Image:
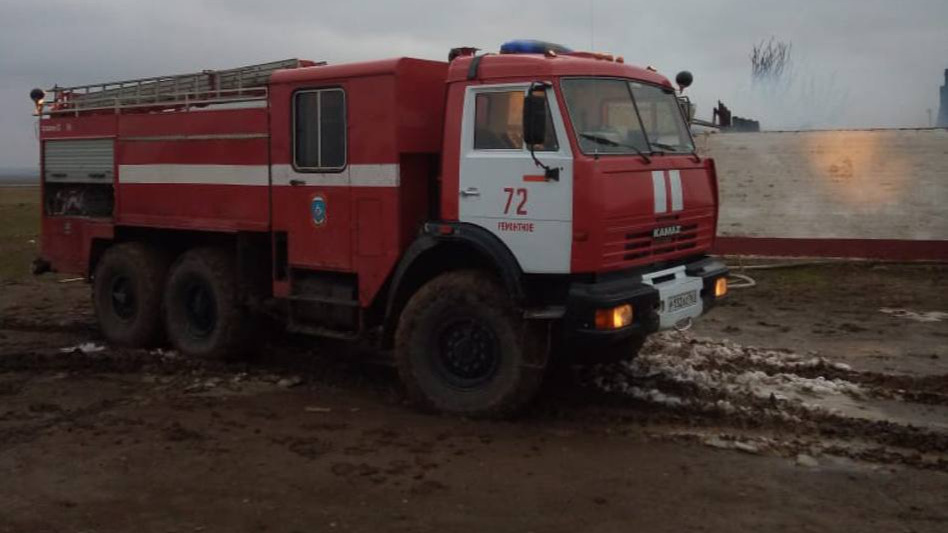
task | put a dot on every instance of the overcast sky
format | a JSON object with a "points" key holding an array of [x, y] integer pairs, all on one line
{"points": [[856, 63]]}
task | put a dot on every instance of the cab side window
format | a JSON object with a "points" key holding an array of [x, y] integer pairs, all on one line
{"points": [[319, 129], [498, 122]]}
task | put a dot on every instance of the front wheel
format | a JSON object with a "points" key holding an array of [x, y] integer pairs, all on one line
{"points": [[461, 348]]}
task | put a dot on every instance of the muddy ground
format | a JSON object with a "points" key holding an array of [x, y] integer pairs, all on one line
{"points": [[797, 406]]}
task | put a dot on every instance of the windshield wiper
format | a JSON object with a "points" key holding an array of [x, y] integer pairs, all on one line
{"points": [[609, 142], [664, 146], [671, 148]]}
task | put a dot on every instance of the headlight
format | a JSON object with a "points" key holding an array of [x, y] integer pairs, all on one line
{"points": [[720, 287], [614, 318]]}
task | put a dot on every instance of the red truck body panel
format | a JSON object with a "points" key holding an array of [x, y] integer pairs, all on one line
{"points": [[394, 126], [190, 170]]}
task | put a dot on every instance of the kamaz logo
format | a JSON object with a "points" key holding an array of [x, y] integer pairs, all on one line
{"points": [[667, 231]]}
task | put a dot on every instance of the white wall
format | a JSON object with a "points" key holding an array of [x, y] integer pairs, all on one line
{"points": [[856, 184]]}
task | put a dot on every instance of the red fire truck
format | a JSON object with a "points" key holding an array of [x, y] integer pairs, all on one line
{"points": [[477, 218]]}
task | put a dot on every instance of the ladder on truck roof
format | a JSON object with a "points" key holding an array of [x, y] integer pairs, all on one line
{"points": [[180, 91]]}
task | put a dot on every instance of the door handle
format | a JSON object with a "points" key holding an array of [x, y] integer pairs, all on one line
{"points": [[470, 191], [297, 183]]}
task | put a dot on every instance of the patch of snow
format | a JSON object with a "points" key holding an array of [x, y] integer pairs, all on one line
{"points": [[723, 376], [718, 442], [930, 316], [85, 347], [747, 445], [289, 382], [807, 460]]}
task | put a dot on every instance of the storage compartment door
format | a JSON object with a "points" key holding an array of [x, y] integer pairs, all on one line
{"points": [[79, 161]]}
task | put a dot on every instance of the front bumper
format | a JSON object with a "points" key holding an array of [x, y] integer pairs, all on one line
{"points": [[649, 293]]}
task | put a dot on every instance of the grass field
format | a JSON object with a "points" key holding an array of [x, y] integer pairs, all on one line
{"points": [[19, 230]]}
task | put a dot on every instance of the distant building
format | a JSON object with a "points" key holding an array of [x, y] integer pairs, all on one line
{"points": [[943, 107], [722, 118]]}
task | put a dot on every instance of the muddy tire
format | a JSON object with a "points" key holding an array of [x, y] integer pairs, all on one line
{"points": [[127, 294], [461, 348], [203, 313]]}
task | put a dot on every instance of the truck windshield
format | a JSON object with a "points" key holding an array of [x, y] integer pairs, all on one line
{"points": [[614, 116]]}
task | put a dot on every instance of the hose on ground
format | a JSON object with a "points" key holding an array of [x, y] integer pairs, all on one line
{"points": [[743, 281], [786, 265]]}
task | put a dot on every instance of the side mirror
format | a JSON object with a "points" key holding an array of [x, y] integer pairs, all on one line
{"points": [[534, 118]]}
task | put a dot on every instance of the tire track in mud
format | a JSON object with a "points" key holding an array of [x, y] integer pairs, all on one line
{"points": [[25, 326], [25, 433], [776, 401], [109, 361], [784, 430], [680, 388], [930, 390]]}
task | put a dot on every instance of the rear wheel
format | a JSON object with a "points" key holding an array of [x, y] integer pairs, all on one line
{"points": [[461, 348], [126, 293], [203, 314]]}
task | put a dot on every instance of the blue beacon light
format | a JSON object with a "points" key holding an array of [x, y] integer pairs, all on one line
{"points": [[530, 46]]}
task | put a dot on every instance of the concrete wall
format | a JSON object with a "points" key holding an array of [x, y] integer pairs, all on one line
{"points": [[889, 187]]}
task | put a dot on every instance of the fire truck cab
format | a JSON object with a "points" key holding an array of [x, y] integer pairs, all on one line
{"points": [[478, 218]]}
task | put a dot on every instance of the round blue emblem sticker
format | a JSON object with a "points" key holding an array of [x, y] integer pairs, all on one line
{"points": [[318, 210]]}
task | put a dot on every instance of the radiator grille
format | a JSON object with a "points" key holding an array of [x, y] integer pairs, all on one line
{"points": [[629, 242]]}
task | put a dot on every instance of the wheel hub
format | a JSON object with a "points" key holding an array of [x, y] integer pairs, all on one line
{"points": [[468, 353], [200, 308], [122, 292]]}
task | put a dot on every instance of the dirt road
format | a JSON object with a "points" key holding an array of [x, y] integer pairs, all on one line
{"points": [[799, 407]]}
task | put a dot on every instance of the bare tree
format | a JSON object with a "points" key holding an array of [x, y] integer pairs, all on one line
{"points": [[770, 61], [787, 94]]}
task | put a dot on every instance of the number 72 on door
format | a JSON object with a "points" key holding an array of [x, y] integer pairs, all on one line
{"points": [[517, 198]]}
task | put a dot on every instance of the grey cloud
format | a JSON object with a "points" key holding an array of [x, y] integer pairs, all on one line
{"points": [[885, 57]]}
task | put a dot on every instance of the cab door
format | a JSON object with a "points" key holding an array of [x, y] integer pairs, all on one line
{"points": [[501, 187]]}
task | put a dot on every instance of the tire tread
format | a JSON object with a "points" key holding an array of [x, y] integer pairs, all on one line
{"points": [[236, 338], [152, 264], [481, 289]]}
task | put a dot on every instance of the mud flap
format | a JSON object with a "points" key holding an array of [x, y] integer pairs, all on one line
{"points": [[536, 338]]}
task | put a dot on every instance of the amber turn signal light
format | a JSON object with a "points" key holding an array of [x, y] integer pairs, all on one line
{"points": [[720, 287], [614, 318]]}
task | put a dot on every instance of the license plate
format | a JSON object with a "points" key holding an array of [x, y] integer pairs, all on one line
{"points": [[681, 301]]}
